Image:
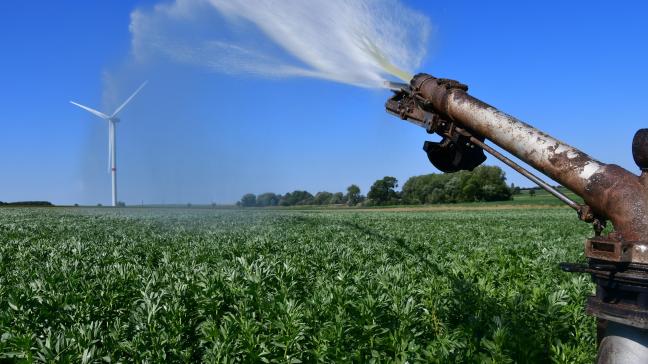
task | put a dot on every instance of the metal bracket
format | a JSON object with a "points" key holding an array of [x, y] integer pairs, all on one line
{"points": [[619, 269]]}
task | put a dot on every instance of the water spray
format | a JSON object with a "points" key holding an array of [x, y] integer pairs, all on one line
{"points": [[360, 42]]}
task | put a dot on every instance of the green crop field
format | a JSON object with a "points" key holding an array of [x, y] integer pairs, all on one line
{"points": [[188, 285]]}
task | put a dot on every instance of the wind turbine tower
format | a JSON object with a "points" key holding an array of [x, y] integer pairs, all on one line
{"points": [[112, 143]]}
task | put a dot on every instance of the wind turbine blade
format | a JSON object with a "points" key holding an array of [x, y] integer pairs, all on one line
{"points": [[128, 99], [93, 111]]}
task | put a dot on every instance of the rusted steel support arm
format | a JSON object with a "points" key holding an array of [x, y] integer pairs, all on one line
{"points": [[611, 191]]}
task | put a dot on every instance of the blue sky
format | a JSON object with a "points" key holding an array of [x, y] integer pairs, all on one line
{"points": [[577, 70]]}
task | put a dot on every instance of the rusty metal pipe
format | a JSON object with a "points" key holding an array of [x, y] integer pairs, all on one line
{"points": [[611, 191], [617, 262]]}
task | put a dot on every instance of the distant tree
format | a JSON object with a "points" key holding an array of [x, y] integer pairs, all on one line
{"points": [[99, 205], [429, 188], [267, 199], [303, 197], [322, 198], [336, 198], [188, 204], [213, 205], [286, 200], [484, 183], [248, 200], [532, 192], [491, 182], [296, 198], [121, 204], [353, 196], [383, 191], [75, 205]]}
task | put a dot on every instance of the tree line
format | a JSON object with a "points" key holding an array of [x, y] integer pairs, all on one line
{"points": [[352, 197], [26, 203], [484, 183]]}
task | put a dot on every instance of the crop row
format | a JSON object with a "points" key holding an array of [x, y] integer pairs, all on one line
{"points": [[138, 285]]}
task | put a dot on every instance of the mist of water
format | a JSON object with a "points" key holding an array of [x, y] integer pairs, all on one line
{"points": [[185, 139], [359, 42]]}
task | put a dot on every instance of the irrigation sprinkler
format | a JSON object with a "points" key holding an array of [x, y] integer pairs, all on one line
{"points": [[617, 261]]}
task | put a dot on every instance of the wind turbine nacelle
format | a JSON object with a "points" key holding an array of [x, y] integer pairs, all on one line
{"points": [[115, 120]]}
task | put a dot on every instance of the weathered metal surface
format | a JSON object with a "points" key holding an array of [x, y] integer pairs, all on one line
{"points": [[619, 312], [640, 148], [611, 192], [454, 154], [617, 262], [407, 109], [554, 158], [621, 285], [623, 344], [606, 248]]}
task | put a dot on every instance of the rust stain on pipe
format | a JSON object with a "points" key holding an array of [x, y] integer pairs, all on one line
{"points": [[617, 262], [611, 191]]}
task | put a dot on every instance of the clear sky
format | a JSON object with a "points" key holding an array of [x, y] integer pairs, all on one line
{"points": [[577, 70]]}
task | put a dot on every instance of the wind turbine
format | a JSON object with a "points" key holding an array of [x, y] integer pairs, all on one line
{"points": [[112, 146]]}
